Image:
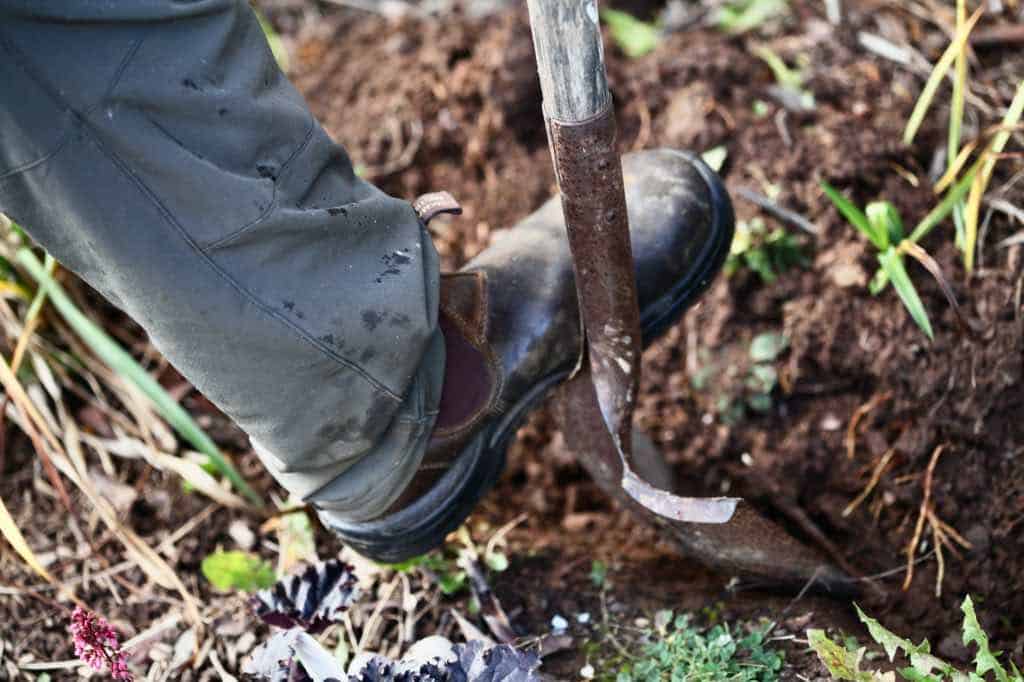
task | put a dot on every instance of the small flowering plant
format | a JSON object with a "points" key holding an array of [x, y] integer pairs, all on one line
{"points": [[96, 643]]}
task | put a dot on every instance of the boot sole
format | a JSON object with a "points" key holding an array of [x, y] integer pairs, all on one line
{"points": [[425, 524]]}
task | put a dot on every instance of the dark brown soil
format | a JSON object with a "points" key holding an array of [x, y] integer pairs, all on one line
{"points": [[470, 87], [454, 104]]}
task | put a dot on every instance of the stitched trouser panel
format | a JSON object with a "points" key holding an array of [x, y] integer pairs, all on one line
{"points": [[154, 148]]}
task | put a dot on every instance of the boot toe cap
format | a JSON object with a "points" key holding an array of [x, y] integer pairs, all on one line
{"points": [[681, 222]]}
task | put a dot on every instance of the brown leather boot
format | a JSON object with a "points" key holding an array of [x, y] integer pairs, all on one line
{"points": [[512, 333]]}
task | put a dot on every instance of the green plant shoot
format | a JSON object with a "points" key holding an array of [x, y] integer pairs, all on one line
{"points": [[882, 225]]}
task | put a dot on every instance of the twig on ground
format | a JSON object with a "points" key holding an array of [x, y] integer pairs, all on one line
{"points": [[776, 211], [373, 624], [490, 608]]}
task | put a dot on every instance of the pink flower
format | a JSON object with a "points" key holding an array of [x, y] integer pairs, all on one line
{"points": [[97, 645]]}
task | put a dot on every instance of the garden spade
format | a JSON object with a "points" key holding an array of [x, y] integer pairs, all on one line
{"points": [[598, 403]]}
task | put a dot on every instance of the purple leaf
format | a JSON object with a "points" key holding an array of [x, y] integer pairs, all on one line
{"points": [[311, 600]]}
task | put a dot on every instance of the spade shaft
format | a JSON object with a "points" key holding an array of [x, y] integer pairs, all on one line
{"points": [[582, 135], [598, 402]]}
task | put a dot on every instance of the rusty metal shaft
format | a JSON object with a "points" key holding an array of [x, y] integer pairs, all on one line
{"points": [[599, 401]]}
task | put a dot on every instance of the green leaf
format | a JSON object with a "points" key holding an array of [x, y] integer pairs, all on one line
{"points": [[912, 675], [893, 266], [740, 16], [856, 217], [598, 572], [497, 561], [124, 364], [889, 641], [766, 347], [842, 663], [762, 379], [715, 157], [884, 217], [786, 77], [237, 570], [451, 582], [879, 281], [985, 660], [923, 664], [761, 263], [944, 207], [634, 37]]}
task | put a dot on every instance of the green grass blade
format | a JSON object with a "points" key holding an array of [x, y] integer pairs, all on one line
{"points": [[856, 217], [893, 266], [956, 120], [40, 298], [956, 107], [124, 364], [274, 41], [884, 218], [31, 319], [932, 84], [879, 281], [944, 207]]}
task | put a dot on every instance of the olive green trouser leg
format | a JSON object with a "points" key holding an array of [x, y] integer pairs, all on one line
{"points": [[153, 147]]}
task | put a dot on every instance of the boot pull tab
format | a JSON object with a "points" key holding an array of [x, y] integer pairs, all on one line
{"points": [[429, 206]]}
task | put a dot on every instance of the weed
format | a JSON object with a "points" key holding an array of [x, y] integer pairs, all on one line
{"points": [[681, 651], [744, 386], [598, 573], [450, 578], [634, 37], [881, 223], [789, 81], [768, 252], [443, 564], [844, 660], [762, 376], [741, 16]]}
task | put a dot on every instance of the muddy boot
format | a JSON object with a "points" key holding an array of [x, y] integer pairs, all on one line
{"points": [[512, 333]]}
